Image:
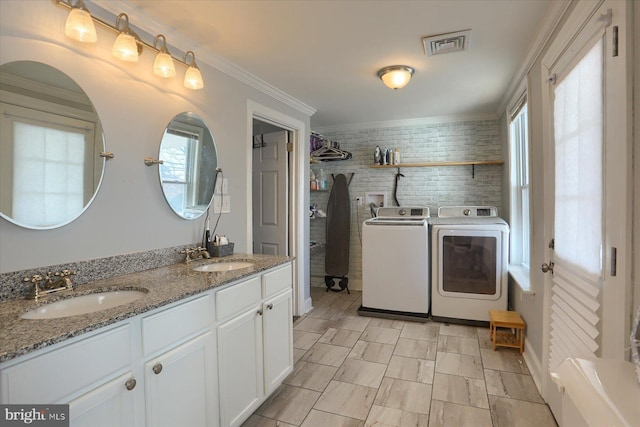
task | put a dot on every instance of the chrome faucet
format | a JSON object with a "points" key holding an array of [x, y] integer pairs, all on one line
{"points": [[50, 283]]}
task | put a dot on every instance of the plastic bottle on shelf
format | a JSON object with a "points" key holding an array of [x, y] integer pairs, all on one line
{"points": [[313, 182], [323, 180], [396, 157]]}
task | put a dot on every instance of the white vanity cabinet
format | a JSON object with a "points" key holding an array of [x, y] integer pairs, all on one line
{"points": [[94, 374], [179, 386], [110, 404], [255, 342], [277, 328], [208, 360], [157, 369], [180, 378]]}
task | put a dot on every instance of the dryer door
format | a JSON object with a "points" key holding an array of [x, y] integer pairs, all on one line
{"points": [[469, 263]]}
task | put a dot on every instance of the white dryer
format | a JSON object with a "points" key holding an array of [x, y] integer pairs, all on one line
{"points": [[469, 263], [395, 264]]}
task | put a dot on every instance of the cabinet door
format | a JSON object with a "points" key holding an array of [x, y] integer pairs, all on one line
{"points": [[278, 340], [111, 404], [180, 385], [240, 366]]}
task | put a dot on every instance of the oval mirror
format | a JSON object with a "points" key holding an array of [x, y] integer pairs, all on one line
{"points": [[50, 144], [189, 162]]}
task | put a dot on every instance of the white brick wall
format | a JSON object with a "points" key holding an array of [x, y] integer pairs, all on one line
{"points": [[421, 186]]}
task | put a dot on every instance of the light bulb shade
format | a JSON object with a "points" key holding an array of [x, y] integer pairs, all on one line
{"points": [[396, 76], [193, 78], [125, 48], [79, 26], [163, 65]]}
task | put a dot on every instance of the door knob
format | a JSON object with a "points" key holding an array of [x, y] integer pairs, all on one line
{"points": [[157, 368], [547, 267], [130, 384]]}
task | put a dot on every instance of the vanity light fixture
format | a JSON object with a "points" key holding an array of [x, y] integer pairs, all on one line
{"points": [[192, 78], [128, 45], [79, 25], [396, 76], [125, 46], [163, 65]]}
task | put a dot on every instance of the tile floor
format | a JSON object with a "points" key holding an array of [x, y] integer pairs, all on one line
{"points": [[355, 371]]}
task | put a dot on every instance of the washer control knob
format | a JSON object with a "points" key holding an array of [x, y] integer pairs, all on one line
{"points": [[466, 212], [402, 212]]}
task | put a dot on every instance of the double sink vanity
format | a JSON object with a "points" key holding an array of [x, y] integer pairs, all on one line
{"points": [[198, 344]]}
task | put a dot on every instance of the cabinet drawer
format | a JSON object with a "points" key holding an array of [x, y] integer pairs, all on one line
{"points": [[66, 370], [276, 281], [237, 297], [169, 326]]}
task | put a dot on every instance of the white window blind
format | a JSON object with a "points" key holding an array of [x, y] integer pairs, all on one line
{"points": [[48, 178], [578, 132]]}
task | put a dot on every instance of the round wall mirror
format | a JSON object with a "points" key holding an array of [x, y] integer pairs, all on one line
{"points": [[189, 162], [50, 144]]}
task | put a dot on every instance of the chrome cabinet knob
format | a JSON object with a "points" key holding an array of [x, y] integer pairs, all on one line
{"points": [[130, 384], [157, 368], [260, 312], [270, 306]]}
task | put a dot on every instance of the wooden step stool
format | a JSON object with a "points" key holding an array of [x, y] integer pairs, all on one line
{"points": [[506, 321]]}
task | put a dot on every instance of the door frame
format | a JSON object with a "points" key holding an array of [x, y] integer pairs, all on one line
{"points": [[296, 208], [616, 302]]}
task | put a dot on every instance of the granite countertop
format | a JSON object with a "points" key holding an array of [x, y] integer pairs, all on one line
{"points": [[165, 285]]}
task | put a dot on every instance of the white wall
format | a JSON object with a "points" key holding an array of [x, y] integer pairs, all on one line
{"points": [[129, 213], [636, 158]]}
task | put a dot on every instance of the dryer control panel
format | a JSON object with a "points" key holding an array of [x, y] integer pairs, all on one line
{"points": [[467, 211]]}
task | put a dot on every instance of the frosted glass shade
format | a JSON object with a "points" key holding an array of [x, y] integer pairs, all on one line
{"points": [[163, 65], [125, 48], [396, 77], [79, 26], [193, 78]]}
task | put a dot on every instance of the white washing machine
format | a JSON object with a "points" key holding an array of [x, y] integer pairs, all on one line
{"points": [[469, 263], [395, 264]]}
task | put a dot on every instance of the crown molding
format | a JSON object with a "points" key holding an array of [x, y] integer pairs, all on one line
{"points": [[551, 20], [420, 121], [151, 26]]}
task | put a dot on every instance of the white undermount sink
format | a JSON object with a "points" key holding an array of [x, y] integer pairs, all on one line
{"points": [[223, 266], [84, 304]]}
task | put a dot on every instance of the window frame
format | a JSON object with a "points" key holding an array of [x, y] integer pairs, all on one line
{"points": [[520, 186]]}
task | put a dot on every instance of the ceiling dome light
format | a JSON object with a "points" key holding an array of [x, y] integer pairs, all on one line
{"points": [[396, 76], [163, 65], [125, 46], [79, 25], [192, 78]]}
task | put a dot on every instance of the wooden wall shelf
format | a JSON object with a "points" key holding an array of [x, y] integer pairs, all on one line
{"points": [[422, 165]]}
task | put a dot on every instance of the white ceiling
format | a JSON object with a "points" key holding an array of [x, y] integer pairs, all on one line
{"points": [[327, 53]]}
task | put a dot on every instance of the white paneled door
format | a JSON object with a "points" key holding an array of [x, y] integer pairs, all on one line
{"points": [[270, 197], [585, 226]]}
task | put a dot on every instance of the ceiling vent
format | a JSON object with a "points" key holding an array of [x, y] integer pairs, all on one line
{"points": [[446, 43]]}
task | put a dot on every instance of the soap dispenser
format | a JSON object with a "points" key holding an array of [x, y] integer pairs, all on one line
{"points": [[323, 180]]}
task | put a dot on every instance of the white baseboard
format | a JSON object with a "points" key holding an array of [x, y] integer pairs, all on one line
{"points": [[534, 365], [308, 305]]}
